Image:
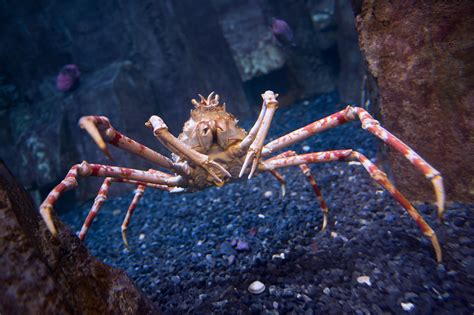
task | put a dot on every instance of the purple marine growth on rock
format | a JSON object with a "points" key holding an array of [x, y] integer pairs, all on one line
{"points": [[282, 32], [68, 78]]}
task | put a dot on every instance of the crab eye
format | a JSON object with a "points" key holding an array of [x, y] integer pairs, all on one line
{"points": [[205, 130]]}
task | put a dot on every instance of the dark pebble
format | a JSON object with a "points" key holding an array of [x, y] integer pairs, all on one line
{"points": [[176, 279]]}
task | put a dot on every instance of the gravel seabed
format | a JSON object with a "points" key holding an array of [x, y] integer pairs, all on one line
{"points": [[182, 251]]}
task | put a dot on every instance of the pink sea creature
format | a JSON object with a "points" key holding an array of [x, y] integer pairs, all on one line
{"points": [[68, 78], [282, 32]]}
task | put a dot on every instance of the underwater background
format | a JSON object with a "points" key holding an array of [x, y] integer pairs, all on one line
{"points": [[409, 64]]}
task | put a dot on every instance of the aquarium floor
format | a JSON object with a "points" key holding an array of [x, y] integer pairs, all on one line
{"points": [[181, 251]]}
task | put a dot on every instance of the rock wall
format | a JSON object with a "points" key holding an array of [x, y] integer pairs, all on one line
{"points": [[420, 56], [41, 275]]}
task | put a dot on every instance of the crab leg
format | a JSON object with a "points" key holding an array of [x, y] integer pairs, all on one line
{"points": [[101, 131], [138, 193], [379, 176], [307, 172], [370, 124], [102, 196], [98, 202], [85, 169], [324, 208], [255, 149], [160, 130], [281, 180], [245, 144]]}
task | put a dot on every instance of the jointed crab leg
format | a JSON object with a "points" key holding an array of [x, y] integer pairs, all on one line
{"points": [[245, 144], [102, 196], [100, 129], [98, 202], [160, 130], [324, 208], [253, 154], [138, 193], [307, 172], [373, 126], [281, 180], [84, 169], [379, 176]]}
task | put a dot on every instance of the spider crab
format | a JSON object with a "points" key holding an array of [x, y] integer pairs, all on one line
{"points": [[213, 150]]}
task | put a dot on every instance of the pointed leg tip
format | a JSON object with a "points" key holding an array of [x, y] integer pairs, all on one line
{"points": [[325, 223], [124, 238], [107, 153], [437, 248], [242, 170], [440, 195], [283, 191], [46, 214]]}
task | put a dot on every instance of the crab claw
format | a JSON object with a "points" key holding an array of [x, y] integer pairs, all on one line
{"points": [[213, 169], [89, 125], [46, 214], [255, 150], [248, 157], [254, 156]]}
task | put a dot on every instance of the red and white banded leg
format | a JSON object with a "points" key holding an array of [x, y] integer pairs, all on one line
{"points": [[102, 196], [370, 124], [307, 172], [379, 176], [85, 169], [98, 202], [138, 193], [281, 180], [100, 129]]}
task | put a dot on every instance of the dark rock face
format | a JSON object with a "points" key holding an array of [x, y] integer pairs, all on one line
{"points": [[136, 60], [313, 60], [351, 69], [421, 59], [54, 276]]}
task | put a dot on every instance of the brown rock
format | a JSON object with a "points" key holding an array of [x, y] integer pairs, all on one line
{"points": [[41, 275], [420, 55]]}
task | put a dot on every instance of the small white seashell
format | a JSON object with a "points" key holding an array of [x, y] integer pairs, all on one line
{"points": [[333, 234], [364, 280], [141, 237], [306, 148], [268, 194], [256, 287], [407, 306], [278, 256], [261, 216]]}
